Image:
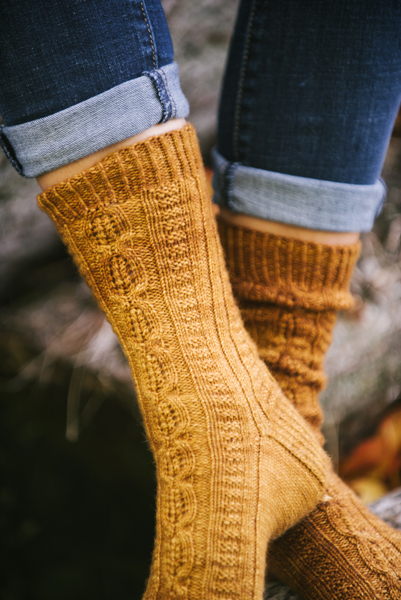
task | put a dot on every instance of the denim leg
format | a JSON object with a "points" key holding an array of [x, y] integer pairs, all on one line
{"points": [[311, 92], [79, 76]]}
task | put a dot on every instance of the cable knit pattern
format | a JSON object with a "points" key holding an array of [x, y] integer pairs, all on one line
{"points": [[289, 292], [229, 448], [340, 551]]}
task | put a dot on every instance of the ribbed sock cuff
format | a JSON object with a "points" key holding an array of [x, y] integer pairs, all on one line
{"points": [[270, 268], [153, 163]]}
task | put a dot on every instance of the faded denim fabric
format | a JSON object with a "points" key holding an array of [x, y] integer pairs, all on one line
{"points": [[45, 144], [57, 53], [311, 203], [78, 76], [312, 89]]}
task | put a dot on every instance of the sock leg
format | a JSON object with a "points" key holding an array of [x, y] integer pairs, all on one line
{"points": [[289, 292], [236, 465]]}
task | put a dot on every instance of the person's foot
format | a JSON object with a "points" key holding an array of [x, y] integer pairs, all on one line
{"points": [[236, 464], [289, 292], [340, 551]]}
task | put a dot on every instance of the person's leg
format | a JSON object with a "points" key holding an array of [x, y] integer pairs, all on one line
{"points": [[139, 224], [310, 96], [80, 76], [307, 108]]}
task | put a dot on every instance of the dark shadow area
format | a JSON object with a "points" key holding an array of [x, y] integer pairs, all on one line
{"points": [[77, 519]]}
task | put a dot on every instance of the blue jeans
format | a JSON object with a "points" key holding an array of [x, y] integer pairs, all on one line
{"points": [[309, 100], [77, 76], [310, 95]]}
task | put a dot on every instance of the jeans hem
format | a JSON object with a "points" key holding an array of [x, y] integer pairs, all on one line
{"points": [[311, 203], [45, 144]]}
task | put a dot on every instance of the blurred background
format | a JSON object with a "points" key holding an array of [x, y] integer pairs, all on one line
{"points": [[77, 485]]}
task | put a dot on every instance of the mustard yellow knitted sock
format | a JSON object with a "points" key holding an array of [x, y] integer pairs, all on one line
{"points": [[236, 464], [289, 292]]}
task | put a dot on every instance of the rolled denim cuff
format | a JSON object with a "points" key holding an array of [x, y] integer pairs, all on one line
{"points": [[45, 144], [311, 203]]}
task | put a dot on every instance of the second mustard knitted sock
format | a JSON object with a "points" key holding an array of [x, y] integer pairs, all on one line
{"points": [[289, 292], [236, 464]]}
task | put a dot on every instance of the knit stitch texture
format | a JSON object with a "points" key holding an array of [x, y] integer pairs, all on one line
{"points": [[289, 292], [236, 465]]}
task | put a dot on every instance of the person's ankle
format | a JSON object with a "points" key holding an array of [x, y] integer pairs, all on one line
{"points": [[47, 180], [333, 238]]}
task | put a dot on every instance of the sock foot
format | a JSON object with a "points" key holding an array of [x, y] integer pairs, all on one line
{"points": [[289, 292], [339, 551]]}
